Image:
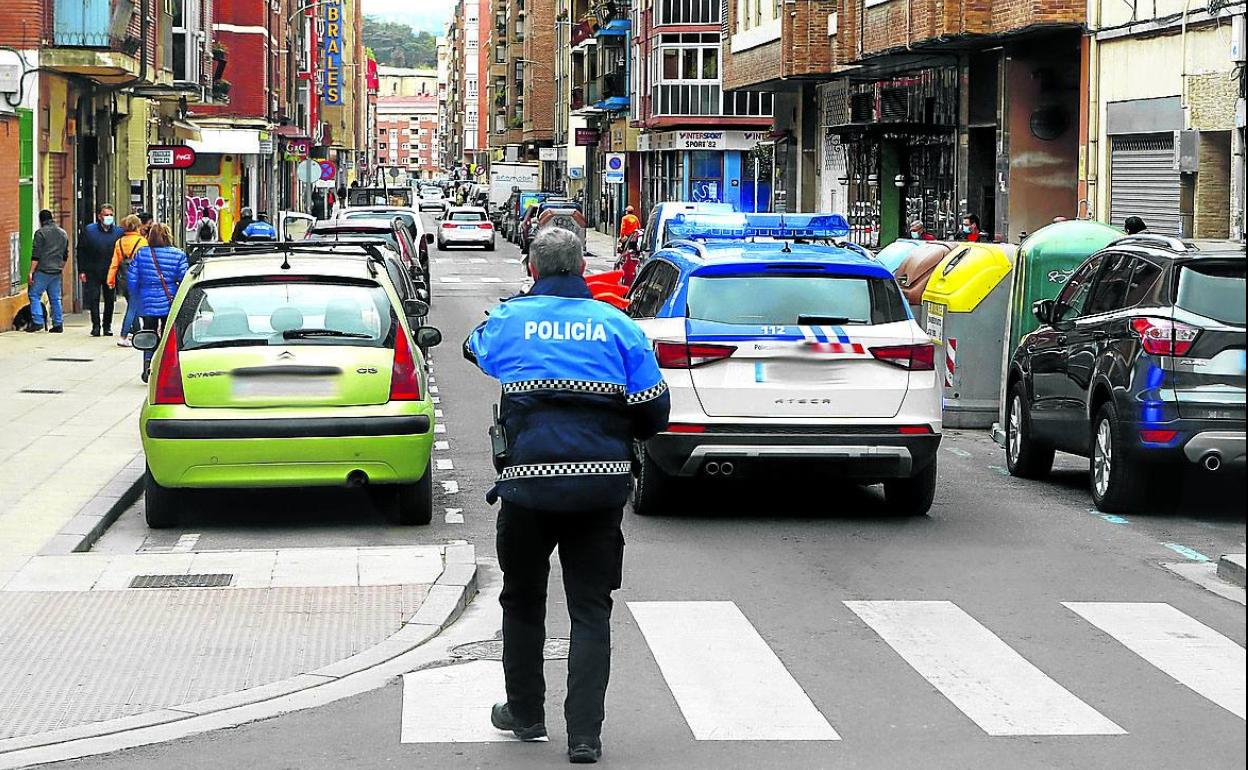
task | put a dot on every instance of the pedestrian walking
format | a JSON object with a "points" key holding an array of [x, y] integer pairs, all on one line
{"points": [[207, 230], [154, 278], [124, 252], [48, 253], [261, 229], [629, 224], [1134, 225], [95, 255], [245, 219], [580, 384], [145, 222]]}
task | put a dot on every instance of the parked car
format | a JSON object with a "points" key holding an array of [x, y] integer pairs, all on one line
{"points": [[285, 366], [1138, 365], [410, 217], [784, 358], [393, 231], [466, 226]]}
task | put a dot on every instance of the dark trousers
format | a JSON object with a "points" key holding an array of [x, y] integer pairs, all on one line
{"points": [[91, 292], [591, 553], [151, 323]]}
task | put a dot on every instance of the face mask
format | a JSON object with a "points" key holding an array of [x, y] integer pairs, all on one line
{"points": [[914, 234], [108, 220]]}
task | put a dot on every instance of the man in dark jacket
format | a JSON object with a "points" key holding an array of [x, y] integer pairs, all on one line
{"points": [[47, 260], [95, 256], [580, 384]]}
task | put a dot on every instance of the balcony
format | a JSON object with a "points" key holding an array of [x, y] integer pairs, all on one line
{"points": [[92, 39], [688, 100]]}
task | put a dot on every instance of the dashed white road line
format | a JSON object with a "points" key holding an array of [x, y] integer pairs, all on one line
{"points": [[450, 487], [441, 446], [444, 465], [454, 515], [186, 543], [439, 428]]}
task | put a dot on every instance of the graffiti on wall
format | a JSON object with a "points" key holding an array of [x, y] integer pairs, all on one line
{"points": [[198, 205]]}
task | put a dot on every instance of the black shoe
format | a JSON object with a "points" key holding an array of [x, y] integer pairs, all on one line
{"points": [[108, 332], [58, 329], [583, 750], [34, 327], [95, 331], [147, 374], [501, 718]]}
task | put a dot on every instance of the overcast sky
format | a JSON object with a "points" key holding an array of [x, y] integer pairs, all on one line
{"points": [[428, 15]]}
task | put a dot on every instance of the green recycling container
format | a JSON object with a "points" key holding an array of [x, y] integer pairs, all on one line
{"points": [[1045, 261]]}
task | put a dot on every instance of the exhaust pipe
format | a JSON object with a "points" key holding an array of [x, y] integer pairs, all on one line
{"points": [[357, 478], [1212, 461], [712, 469], [727, 468]]}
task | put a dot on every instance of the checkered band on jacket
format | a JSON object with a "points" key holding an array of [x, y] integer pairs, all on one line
{"points": [[607, 468], [572, 386], [649, 394]]}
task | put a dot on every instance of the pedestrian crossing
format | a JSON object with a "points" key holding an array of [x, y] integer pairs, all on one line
{"points": [[728, 684]]}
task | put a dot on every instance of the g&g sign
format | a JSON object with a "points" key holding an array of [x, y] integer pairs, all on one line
{"points": [[331, 49]]}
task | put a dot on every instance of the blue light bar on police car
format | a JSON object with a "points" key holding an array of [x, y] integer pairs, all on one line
{"points": [[741, 226]]}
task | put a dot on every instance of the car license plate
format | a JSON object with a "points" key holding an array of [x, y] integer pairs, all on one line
{"points": [[469, 227], [277, 386]]}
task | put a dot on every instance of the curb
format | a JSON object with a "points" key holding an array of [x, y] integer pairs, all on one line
{"points": [[1231, 568], [449, 596], [98, 514]]}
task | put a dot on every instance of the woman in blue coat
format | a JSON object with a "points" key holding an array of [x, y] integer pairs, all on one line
{"points": [[154, 277]]}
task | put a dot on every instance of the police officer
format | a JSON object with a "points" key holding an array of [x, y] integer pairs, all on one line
{"points": [[579, 384], [260, 229]]}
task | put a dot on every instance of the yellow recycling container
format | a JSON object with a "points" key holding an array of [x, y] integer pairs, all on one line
{"points": [[964, 311]]}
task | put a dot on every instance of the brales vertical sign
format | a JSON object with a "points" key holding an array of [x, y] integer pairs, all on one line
{"points": [[331, 48]]}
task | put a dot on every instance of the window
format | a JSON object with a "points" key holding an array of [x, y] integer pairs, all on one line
{"points": [[651, 289], [1111, 290], [1074, 296], [1143, 279], [688, 11], [1213, 289], [794, 299], [690, 63], [219, 315]]}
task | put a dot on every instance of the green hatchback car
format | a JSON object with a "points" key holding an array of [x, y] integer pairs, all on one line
{"points": [[289, 365]]}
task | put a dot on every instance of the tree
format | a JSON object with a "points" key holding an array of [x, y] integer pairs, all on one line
{"points": [[398, 45]]}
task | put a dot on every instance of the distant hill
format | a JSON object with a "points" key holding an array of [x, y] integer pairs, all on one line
{"points": [[398, 45]]}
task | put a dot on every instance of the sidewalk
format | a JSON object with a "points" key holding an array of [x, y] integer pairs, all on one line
{"points": [[599, 244], [69, 420]]}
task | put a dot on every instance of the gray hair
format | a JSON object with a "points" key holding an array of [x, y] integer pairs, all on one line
{"points": [[556, 251]]}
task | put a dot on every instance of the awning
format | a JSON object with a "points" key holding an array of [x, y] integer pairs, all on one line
{"points": [[227, 141], [291, 132], [186, 130]]}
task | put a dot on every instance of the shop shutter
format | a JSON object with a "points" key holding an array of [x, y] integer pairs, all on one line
{"points": [[1144, 183]]}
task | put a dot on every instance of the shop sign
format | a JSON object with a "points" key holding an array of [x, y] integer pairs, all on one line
{"points": [[613, 168], [548, 154], [170, 156], [266, 143], [297, 149], [587, 137], [331, 52], [702, 140]]}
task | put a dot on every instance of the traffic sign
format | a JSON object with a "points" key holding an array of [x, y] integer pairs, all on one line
{"points": [[328, 171], [170, 156], [614, 172], [309, 171]]}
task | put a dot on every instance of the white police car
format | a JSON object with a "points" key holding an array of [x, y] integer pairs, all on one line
{"points": [[785, 355]]}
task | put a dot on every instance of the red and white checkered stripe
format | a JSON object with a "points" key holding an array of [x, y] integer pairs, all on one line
{"points": [[951, 361]]}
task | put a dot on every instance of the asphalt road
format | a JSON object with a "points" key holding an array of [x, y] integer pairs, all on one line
{"points": [[981, 675]]}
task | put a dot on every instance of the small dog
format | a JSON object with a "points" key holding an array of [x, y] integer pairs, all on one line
{"points": [[23, 318]]}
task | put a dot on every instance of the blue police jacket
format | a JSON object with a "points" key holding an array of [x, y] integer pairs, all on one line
{"points": [[580, 383], [260, 230]]}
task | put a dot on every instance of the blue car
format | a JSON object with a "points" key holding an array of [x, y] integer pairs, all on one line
{"points": [[785, 354]]}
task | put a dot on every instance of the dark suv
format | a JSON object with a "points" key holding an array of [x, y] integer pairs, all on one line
{"points": [[1139, 362]]}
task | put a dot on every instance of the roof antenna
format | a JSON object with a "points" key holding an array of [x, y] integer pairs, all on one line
{"points": [[788, 247], [285, 259]]}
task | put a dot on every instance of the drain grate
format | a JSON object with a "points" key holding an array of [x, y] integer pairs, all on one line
{"points": [[42, 391], [181, 581], [492, 649], [67, 359]]}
